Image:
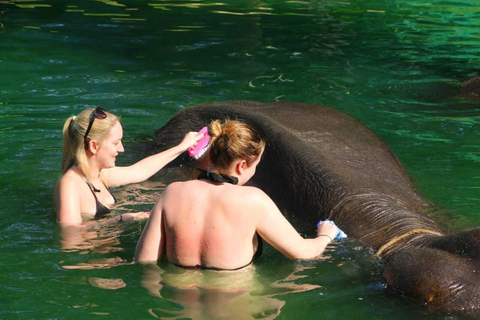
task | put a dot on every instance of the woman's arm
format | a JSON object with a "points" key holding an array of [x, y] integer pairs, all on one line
{"points": [[124, 217], [150, 246], [277, 231], [144, 169], [67, 203]]}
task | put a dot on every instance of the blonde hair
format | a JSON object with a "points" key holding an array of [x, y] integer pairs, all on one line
{"points": [[74, 148], [232, 140]]}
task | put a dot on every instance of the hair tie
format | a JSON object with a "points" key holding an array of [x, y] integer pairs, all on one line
{"points": [[70, 125]]}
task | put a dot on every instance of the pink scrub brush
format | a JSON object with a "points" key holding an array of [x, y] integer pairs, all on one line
{"points": [[202, 145]]}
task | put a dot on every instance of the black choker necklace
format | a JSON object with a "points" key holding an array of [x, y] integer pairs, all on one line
{"points": [[215, 177]]}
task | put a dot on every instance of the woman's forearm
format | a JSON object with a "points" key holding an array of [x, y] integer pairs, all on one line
{"points": [[142, 170], [145, 168], [313, 248]]}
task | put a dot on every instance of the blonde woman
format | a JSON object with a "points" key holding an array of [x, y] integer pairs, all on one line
{"points": [[91, 142], [216, 222]]}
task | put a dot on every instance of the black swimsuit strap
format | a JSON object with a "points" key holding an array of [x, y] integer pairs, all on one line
{"points": [[215, 177], [94, 190], [92, 187], [102, 210]]}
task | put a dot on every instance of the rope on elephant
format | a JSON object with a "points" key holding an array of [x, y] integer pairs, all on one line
{"points": [[403, 236]]}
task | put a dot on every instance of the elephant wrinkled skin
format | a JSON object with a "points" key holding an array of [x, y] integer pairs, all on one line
{"points": [[321, 163], [471, 88]]}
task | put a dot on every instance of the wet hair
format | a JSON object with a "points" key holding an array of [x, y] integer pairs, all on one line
{"points": [[74, 148], [232, 140]]}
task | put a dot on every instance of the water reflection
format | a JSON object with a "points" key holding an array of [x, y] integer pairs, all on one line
{"points": [[87, 242], [102, 263], [138, 196], [207, 294], [109, 284], [105, 240]]}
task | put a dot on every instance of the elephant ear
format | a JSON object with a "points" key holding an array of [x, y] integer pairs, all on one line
{"points": [[442, 280]]}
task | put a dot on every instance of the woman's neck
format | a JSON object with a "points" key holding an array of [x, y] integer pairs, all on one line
{"points": [[216, 177], [94, 169], [230, 173]]}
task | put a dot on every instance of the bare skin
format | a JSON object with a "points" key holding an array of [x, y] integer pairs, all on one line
{"points": [[73, 199], [200, 223]]}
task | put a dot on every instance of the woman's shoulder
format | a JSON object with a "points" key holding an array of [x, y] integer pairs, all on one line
{"points": [[70, 180], [251, 191], [69, 187], [247, 194], [179, 187]]}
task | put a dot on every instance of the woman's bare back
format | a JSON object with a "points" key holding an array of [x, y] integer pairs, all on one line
{"points": [[209, 225]]}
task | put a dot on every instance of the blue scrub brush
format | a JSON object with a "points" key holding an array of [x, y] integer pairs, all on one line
{"points": [[340, 234]]}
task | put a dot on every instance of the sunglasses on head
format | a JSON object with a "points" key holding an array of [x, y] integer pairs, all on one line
{"points": [[98, 113]]}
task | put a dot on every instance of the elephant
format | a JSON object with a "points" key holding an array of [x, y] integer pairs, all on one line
{"points": [[322, 163], [471, 88]]}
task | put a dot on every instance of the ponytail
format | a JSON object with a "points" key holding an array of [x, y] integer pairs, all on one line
{"points": [[68, 157]]}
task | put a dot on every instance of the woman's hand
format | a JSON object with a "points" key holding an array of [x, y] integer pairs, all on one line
{"points": [[128, 217], [190, 140], [325, 228]]}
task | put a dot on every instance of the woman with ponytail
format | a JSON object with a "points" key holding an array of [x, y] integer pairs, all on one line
{"points": [[216, 222], [91, 142]]}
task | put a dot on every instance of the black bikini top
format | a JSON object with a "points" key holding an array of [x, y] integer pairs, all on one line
{"points": [[102, 210]]}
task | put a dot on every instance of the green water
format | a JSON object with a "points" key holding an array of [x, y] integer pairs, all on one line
{"points": [[395, 65]]}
